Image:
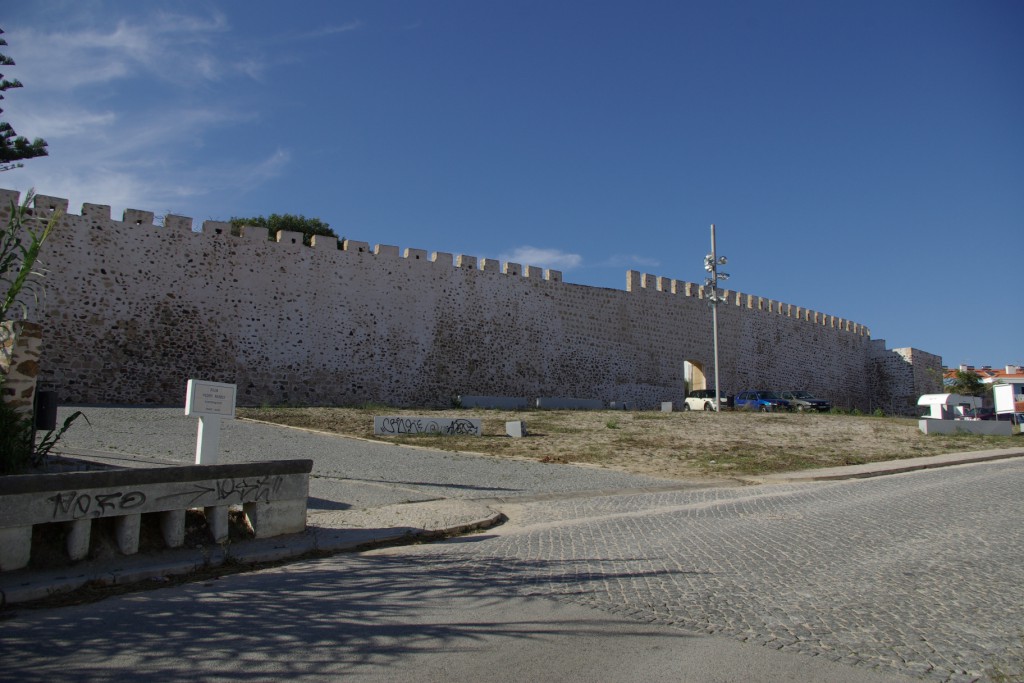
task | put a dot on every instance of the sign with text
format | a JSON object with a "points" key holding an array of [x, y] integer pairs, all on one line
{"points": [[208, 399], [396, 425]]}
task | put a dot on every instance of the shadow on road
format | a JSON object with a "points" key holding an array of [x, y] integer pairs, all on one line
{"points": [[325, 618]]}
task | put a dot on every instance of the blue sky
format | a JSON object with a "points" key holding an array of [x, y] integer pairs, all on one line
{"points": [[864, 159]]}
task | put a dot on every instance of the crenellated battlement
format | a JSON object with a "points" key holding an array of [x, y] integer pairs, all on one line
{"points": [[44, 206], [636, 281], [645, 282]]}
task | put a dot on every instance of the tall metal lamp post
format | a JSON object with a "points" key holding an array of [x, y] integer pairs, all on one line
{"points": [[711, 263]]}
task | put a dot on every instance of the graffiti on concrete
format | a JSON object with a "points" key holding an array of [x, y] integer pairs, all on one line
{"points": [[81, 505], [402, 425]]}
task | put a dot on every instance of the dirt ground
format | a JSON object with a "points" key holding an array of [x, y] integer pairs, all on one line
{"points": [[673, 445]]}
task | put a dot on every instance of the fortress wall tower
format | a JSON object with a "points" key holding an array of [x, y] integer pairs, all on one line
{"points": [[134, 309]]}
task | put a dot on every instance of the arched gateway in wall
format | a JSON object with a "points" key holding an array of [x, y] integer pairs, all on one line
{"points": [[693, 371]]}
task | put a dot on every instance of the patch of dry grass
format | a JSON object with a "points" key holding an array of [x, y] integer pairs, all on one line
{"points": [[675, 445]]}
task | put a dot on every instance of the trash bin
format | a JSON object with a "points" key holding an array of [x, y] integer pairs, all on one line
{"points": [[46, 410]]}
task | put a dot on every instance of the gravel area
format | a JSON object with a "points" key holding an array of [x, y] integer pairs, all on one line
{"points": [[347, 472], [676, 445]]}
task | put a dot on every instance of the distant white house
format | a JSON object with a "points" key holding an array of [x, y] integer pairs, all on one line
{"points": [[1011, 374], [1008, 387]]}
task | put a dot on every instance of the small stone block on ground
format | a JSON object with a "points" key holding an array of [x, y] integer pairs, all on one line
{"points": [[666, 406], [516, 429]]}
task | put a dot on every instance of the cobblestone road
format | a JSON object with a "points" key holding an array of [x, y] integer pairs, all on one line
{"points": [[921, 574]]}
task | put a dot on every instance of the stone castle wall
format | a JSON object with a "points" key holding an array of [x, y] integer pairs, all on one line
{"points": [[133, 310], [900, 376]]}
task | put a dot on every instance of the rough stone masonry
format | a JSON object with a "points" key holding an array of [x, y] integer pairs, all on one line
{"points": [[132, 310]]}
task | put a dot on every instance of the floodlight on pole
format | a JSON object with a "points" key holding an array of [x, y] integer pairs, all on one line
{"points": [[711, 263]]}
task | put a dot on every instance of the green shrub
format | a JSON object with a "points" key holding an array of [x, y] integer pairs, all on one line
{"points": [[15, 440], [20, 242]]}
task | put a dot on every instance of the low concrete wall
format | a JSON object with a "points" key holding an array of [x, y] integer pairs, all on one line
{"points": [[556, 403], [494, 402], [272, 494], [989, 427]]}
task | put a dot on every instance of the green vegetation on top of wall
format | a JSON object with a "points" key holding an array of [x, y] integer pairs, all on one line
{"points": [[287, 222]]}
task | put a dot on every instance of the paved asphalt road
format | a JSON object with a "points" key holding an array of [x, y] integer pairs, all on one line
{"points": [[917, 575]]}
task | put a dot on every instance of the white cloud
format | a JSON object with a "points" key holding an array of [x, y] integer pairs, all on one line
{"points": [[123, 107], [64, 123], [107, 185], [145, 185], [260, 172], [547, 258], [630, 261], [129, 104], [172, 48], [333, 30]]}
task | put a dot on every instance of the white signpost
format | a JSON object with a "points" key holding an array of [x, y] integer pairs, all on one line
{"points": [[209, 401]]}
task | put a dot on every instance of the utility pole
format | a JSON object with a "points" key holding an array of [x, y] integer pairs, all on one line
{"points": [[711, 263]]}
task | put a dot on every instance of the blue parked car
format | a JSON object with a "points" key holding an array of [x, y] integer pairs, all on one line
{"points": [[761, 401]]}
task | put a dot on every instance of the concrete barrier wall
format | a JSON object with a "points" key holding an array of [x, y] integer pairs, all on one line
{"points": [[494, 402], [558, 403], [272, 494], [989, 427]]}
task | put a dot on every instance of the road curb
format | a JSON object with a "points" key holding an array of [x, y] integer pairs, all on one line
{"points": [[880, 469], [28, 586]]}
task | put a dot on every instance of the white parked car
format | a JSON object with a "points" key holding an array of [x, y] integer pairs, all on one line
{"points": [[702, 399]]}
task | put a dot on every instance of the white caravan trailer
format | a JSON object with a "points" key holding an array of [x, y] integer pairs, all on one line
{"points": [[948, 406]]}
